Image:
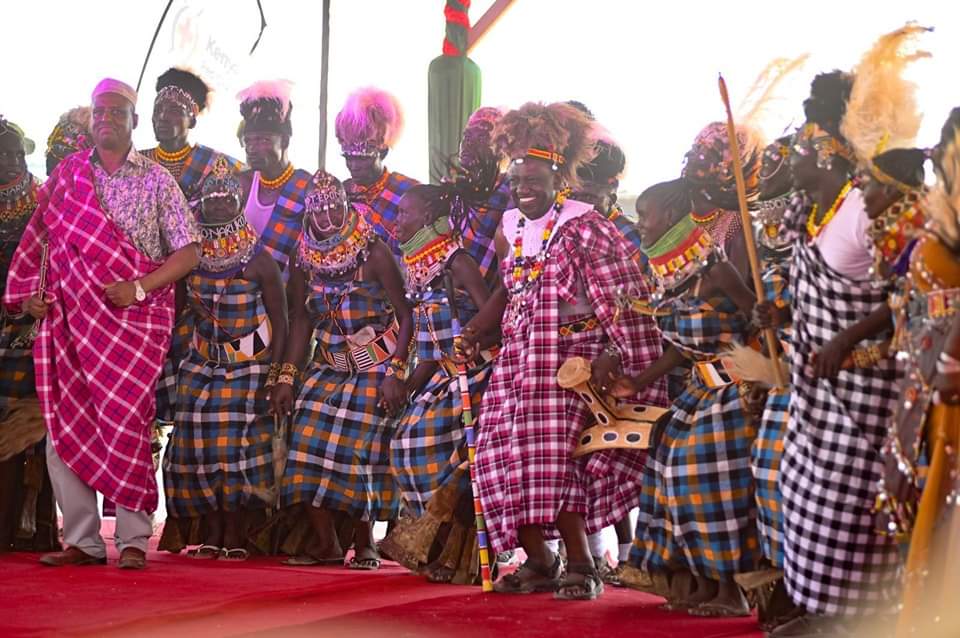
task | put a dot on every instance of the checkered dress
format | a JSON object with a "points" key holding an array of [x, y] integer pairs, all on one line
{"points": [[196, 167], [380, 208], [529, 426], [220, 454], [429, 444], [706, 479], [835, 562], [768, 446], [481, 229], [339, 455]]}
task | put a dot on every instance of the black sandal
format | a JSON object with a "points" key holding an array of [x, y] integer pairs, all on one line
{"points": [[587, 587], [531, 578]]}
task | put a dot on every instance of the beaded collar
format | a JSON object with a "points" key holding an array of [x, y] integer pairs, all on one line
{"points": [[535, 263], [227, 246], [18, 200], [338, 254], [426, 254], [892, 231], [682, 252]]}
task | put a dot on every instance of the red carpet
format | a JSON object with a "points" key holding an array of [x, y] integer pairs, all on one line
{"points": [[178, 596]]}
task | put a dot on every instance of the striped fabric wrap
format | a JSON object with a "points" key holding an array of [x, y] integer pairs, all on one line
{"points": [[379, 204], [430, 444], [220, 455], [702, 485], [283, 228], [339, 456]]}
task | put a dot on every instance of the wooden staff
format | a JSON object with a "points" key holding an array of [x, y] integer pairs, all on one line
{"points": [[769, 334], [27, 340], [486, 581]]}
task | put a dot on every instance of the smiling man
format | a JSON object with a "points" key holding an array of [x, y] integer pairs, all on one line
{"points": [[118, 233]]}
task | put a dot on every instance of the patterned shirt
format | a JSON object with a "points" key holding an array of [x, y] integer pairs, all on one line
{"points": [[146, 203]]}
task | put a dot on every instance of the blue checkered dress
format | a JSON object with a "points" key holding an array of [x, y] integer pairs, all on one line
{"points": [[768, 446], [480, 229], [220, 455], [339, 456], [701, 469], [380, 208], [429, 444]]}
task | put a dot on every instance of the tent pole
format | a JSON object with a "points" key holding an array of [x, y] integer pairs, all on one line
{"points": [[324, 72]]}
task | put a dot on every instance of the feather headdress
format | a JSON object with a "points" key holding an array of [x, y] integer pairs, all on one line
{"points": [[558, 133], [266, 107], [882, 110], [370, 121], [185, 88]]}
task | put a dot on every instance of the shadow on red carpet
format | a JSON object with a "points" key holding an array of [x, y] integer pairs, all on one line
{"points": [[179, 596]]}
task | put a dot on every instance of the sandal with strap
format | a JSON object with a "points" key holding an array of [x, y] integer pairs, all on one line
{"points": [[364, 564], [581, 583], [237, 554], [205, 552], [306, 560], [531, 578]]}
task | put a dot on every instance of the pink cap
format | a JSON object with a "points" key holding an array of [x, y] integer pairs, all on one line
{"points": [[109, 85]]}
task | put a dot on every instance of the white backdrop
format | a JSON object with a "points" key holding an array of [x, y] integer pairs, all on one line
{"points": [[648, 70]]}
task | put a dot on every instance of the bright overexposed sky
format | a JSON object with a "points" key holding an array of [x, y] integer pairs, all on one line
{"points": [[647, 70]]}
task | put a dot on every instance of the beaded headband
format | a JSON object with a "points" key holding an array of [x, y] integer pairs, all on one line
{"points": [[328, 193], [367, 148], [826, 144], [178, 96], [885, 178], [556, 159]]}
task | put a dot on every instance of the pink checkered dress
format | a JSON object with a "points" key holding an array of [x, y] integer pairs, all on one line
{"points": [[529, 426], [96, 364]]}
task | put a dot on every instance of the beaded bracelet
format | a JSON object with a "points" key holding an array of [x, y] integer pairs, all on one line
{"points": [[290, 368], [272, 374], [612, 350], [285, 379], [948, 364]]}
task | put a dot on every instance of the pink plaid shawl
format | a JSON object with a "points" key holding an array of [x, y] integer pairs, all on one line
{"points": [[97, 365]]}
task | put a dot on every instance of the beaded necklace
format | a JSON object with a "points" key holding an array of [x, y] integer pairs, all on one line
{"points": [[535, 263], [813, 228], [173, 162], [770, 213], [370, 192], [426, 254], [229, 245], [279, 181], [680, 253], [338, 254], [18, 200]]}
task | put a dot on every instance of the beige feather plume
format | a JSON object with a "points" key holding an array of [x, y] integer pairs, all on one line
{"points": [[757, 106], [882, 112]]}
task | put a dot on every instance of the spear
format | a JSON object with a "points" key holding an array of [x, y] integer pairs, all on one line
{"points": [[467, 414], [769, 334]]}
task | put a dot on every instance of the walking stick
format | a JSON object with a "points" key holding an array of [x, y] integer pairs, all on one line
{"points": [[769, 334], [25, 341], [486, 581]]}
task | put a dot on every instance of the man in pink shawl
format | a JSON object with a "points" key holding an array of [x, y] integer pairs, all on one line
{"points": [[110, 235]]}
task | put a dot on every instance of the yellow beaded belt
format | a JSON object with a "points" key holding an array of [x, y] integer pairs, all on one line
{"points": [[362, 357], [582, 325], [248, 348]]}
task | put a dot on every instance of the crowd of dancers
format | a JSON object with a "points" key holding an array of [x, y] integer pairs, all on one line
{"points": [[324, 351]]}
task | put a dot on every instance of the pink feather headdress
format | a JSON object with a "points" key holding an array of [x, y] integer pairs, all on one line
{"points": [[369, 122]]}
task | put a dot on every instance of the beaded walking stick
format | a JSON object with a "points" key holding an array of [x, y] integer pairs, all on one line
{"points": [[485, 579]]}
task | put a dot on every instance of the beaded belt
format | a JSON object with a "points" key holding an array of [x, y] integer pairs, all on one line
{"points": [[582, 325], [936, 304], [364, 357], [248, 348], [712, 375]]}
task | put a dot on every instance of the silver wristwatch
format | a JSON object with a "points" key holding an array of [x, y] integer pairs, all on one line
{"points": [[139, 293]]}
